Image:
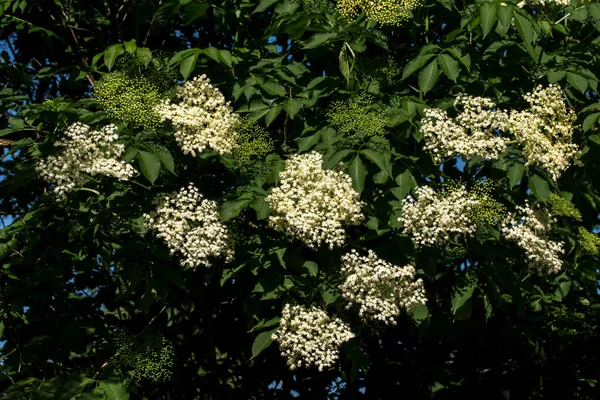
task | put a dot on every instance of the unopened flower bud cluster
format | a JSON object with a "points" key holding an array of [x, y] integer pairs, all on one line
{"points": [[386, 12], [190, 225], [84, 151], [472, 132], [529, 228], [202, 118], [436, 218], [313, 204], [379, 289], [544, 131], [308, 337]]}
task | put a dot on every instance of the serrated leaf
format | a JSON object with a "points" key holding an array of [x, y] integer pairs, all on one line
{"points": [[273, 112], [312, 267], [344, 64], [335, 159], [318, 39], [405, 182], [264, 5], [577, 81], [149, 164], [292, 107], [525, 27], [515, 174], [415, 64], [232, 209], [165, 157], [130, 46], [539, 187], [487, 16], [428, 77], [262, 341], [419, 313], [111, 54], [358, 173], [589, 121], [463, 290], [306, 143], [382, 160], [261, 207], [187, 65], [449, 66], [114, 390]]}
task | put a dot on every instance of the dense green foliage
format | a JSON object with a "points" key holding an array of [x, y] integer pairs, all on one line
{"points": [[94, 306]]}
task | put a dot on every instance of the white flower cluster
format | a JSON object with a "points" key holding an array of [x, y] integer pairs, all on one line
{"points": [[85, 151], [545, 130], [379, 289], [313, 204], [202, 118], [529, 228], [472, 132], [190, 224], [434, 218], [563, 3], [310, 337]]}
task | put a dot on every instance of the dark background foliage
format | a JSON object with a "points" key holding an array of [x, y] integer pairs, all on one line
{"points": [[74, 273]]}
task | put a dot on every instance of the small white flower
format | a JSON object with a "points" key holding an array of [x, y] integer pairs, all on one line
{"points": [[202, 118], [309, 337], [379, 289], [84, 151], [529, 229], [435, 218], [191, 225], [313, 204]]}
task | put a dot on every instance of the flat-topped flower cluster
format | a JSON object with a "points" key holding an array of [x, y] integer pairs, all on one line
{"points": [[436, 218], [191, 226], [529, 228], [544, 132], [85, 151], [202, 118], [313, 204], [308, 337], [379, 289]]}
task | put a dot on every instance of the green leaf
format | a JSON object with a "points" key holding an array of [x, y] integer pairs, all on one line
{"points": [[318, 39], [505, 13], [344, 64], [262, 341], [556, 75], [335, 158], [1, 329], [114, 390], [406, 182], [525, 27], [187, 65], [577, 81], [261, 207], [271, 87], [149, 164], [487, 16], [515, 174], [415, 64], [449, 66], [263, 5], [329, 296], [292, 107], [130, 46], [232, 209], [589, 121], [428, 76], [358, 173], [111, 54], [307, 143], [539, 187], [463, 290], [273, 112], [382, 160], [194, 11], [419, 313], [312, 267], [72, 386], [165, 157]]}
